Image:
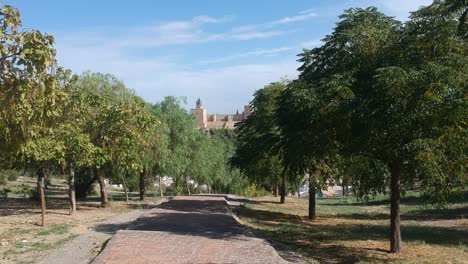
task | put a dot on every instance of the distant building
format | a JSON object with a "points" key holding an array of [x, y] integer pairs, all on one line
{"points": [[209, 121]]}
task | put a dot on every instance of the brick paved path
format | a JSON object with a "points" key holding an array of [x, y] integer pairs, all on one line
{"points": [[195, 229]]}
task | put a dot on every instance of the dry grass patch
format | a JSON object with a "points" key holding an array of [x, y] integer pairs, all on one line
{"points": [[22, 240]]}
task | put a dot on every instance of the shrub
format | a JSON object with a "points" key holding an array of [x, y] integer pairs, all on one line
{"points": [[26, 191], [4, 192], [3, 179], [84, 183], [253, 191], [10, 175]]}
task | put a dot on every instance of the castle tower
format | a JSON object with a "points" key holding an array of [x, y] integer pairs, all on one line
{"points": [[200, 114]]}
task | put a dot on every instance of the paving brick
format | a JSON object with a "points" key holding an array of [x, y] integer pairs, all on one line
{"points": [[187, 229]]}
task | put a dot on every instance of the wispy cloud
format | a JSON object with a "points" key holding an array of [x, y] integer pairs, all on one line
{"points": [[107, 49], [304, 15], [401, 8], [264, 52], [248, 54]]}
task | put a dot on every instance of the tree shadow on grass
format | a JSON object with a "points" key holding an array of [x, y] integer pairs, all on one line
{"points": [[319, 240], [424, 214], [348, 201]]}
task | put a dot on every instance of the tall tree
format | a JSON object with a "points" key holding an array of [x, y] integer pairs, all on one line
{"points": [[397, 89], [257, 151], [29, 93], [181, 131]]}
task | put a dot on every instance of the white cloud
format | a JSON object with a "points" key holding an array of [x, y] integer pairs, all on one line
{"points": [[248, 54], [222, 89], [108, 50], [302, 17], [402, 8]]}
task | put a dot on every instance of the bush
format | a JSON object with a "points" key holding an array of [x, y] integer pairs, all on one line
{"points": [[26, 191], [253, 191], [10, 175], [4, 192], [3, 179], [84, 183]]}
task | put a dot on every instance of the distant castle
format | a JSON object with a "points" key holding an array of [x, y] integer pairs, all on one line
{"points": [[209, 121]]}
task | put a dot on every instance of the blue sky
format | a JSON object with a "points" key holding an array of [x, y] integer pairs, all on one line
{"points": [[220, 51]]}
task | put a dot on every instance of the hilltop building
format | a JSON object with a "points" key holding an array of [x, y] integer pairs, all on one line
{"points": [[218, 121]]}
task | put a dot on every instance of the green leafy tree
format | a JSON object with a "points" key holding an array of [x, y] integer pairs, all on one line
{"points": [[29, 93], [308, 146], [397, 91], [181, 134], [257, 152]]}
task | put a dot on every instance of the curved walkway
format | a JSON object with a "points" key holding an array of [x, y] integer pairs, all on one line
{"points": [[187, 229]]}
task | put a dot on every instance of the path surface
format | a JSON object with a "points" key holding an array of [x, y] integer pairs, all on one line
{"points": [[195, 229], [84, 248]]}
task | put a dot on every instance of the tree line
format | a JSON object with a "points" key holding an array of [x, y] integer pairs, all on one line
{"points": [[95, 128], [380, 106]]}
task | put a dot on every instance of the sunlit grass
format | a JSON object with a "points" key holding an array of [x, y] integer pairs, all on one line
{"points": [[348, 230]]}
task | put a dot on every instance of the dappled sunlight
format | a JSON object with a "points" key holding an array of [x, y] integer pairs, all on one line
{"points": [[356, 232]]}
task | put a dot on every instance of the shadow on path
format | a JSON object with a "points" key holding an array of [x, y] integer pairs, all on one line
{"points": [[205, 216]]}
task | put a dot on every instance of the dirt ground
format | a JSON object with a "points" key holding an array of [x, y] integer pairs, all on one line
{"points": [[22, 240]]}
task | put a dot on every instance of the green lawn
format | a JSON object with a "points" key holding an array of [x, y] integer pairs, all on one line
{"points": [[348, 231]]}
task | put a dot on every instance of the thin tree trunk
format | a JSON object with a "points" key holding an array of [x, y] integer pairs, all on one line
{"points": [[40, 190], [283, 188], [312, 191], [125, 189], [161, 193], [209, 190], [46, 186], [103, 189], [275, 189], [395, 187], [343, 185], [71, 189], [142, 185], [299, 193], [187, 184]]}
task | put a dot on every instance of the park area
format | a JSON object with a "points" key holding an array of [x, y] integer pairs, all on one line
{"points": [[346, 230], [322, 132], [23, 240], [349, 231]]}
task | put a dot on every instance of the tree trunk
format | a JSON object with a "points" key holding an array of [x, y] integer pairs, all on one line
{"points": [[142, 185], [125, 189], [188, 185], [161, 193], [343, 185], [46, 186], [312, 191], [209, 190], [275, 189], [40, 190], [71, 188], [395, 188], [299, 193], [283, 189], [103, 189]]}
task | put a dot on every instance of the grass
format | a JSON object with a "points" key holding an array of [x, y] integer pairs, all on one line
{"points": [[25, 247], [349, 231], [55, 229]]}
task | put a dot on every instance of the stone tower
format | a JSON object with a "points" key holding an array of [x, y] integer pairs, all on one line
{"points": [[200, 114]]}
